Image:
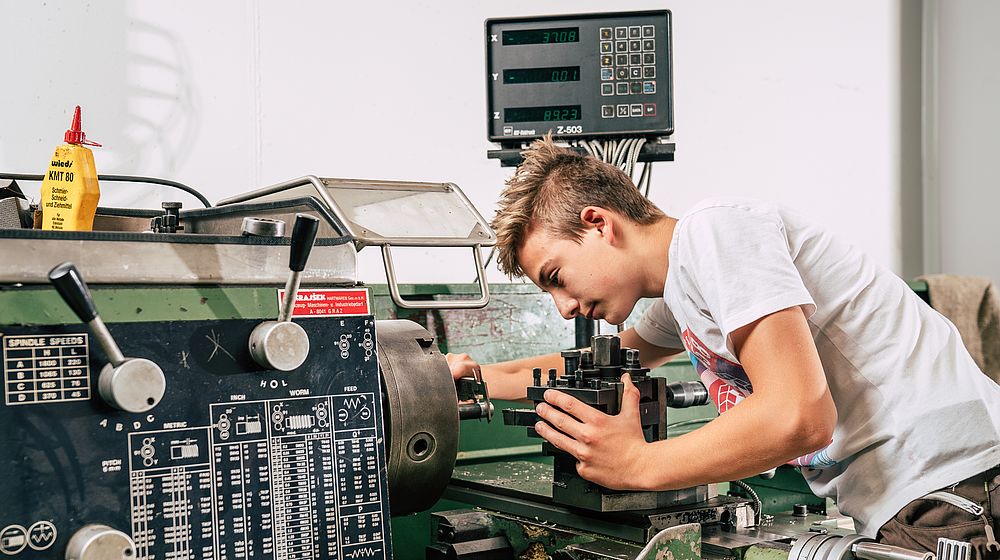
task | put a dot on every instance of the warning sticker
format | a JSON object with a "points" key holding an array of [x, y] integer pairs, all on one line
{"points": [[331, 302]]}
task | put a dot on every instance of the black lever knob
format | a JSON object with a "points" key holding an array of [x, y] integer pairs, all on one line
{"points": [[70, 285], [303, 237]]}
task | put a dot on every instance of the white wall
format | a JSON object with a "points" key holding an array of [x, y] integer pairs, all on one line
{"points": [[778, 99], [963, 178]]}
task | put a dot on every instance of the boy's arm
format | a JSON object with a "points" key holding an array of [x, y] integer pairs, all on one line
{"points": [[509, 380], [789, 413]]}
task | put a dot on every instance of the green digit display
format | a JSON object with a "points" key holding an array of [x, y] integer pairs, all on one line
{"points": [[542, 114], [541, 36], [540, 75]]}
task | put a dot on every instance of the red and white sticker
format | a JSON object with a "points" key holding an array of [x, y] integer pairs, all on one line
{"points": [[327, 303]]}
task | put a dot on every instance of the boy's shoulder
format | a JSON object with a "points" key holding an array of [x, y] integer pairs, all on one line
{"points": [[725, 208]]}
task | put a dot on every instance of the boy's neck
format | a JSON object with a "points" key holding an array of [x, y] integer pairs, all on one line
{"points": [[652, 254]]}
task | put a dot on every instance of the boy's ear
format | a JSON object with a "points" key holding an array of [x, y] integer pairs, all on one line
{"points": [[600, 220]]}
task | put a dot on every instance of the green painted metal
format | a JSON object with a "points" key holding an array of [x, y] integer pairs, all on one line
{"points": [[505, 452], [767, 551], [682, 542], [411, 534], [531, 540], [41, 305], [917, 285], [787, 488]]}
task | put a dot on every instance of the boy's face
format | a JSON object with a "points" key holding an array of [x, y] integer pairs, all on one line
{"points": [[591, 277]]}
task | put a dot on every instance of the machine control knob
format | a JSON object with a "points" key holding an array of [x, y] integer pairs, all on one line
{"points": [[129, 384], [100, 542], [136, 385], [282, 344]]}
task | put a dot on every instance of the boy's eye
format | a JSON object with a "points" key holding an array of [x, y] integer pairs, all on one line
{"points": [[554, 278]]}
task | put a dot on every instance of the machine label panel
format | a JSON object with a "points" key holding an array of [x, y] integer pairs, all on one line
{"points": [[235, 463], [39, 369], [332, 302]]}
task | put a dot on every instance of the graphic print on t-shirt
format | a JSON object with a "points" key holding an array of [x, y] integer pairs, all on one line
{"points": [[721, 369], [728, 384]]}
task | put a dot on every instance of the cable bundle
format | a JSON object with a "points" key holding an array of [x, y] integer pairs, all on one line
{"points": [[624, 154]]}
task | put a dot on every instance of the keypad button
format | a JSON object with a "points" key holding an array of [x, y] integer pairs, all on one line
{"points": [[621, 33], [635, 59], [607, 46], [607, 74], [623, 110], [635, 72], [621, 88], [634, 46], [648, 88], [605, 33], [648, 30], [649, 44], [607, 89], [635, 88], [607, 111], [648, 58], [621, 72], [634, 32], [649, 71], [621, 46], [635, 110], [649, 109], [607, 60], [621, 60]]}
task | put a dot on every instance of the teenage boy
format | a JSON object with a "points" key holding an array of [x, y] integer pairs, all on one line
{"points": [[814, 354]]}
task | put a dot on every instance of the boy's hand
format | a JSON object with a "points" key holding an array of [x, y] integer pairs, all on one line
{"points": [[462, 365], [610, 450]]}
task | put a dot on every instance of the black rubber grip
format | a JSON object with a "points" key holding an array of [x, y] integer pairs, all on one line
{"points": [[303, 237], [70, 285]]}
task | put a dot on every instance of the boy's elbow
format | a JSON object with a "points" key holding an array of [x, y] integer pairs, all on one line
{"points": [[812, 427]]}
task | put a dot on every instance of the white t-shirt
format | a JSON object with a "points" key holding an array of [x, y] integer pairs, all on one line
{"points": [[915, 413]]}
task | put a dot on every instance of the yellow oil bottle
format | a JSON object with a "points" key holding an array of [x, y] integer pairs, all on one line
{"points": [[69, 189]]}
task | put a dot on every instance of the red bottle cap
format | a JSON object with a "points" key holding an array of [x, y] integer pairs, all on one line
{"points": [[75, 135]]}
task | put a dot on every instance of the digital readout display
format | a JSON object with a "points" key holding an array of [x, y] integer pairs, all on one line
{"points": [[540, 114], [542, 36], [536, 75]]}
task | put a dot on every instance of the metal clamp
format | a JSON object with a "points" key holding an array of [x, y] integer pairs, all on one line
{"points": [[397, 298]]}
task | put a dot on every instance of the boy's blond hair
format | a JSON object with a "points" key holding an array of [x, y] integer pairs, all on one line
{"points": [[550, 189]]}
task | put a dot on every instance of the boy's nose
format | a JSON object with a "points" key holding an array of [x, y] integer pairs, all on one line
{"points": [[568, 307]]}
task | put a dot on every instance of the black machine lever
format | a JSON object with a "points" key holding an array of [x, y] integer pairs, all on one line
{"points": [[282, 344], [67, 281], [70, 285], [303, 238], [129, 384]]}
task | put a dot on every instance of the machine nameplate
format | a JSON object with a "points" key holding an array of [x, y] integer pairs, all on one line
{"points": [[329, 302]]}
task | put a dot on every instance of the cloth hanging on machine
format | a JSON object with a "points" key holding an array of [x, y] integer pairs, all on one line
{"points": [[972, 303]]}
